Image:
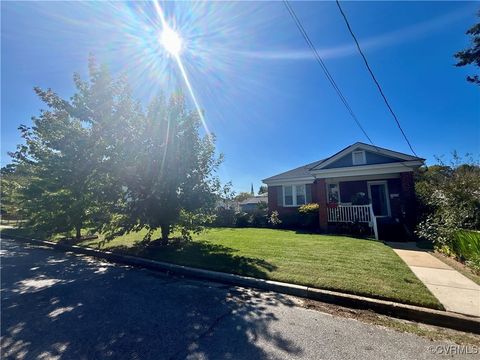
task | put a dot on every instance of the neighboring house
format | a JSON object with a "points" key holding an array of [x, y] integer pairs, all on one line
{"points": [[361, 183], [252, 203]]}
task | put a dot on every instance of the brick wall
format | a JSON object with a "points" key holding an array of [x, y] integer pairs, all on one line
{"points": [[407, 186], [320, 190], [272, 198], [318, 196]]}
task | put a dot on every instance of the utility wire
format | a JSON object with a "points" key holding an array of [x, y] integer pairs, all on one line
{"points": [[374, 78], [324, 67], [327, 73]]}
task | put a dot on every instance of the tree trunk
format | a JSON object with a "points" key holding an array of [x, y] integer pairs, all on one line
{"points": [[165, 233], [78, 230]]}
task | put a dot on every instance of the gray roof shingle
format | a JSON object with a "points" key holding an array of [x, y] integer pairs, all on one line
{"points": [[302, 171]]}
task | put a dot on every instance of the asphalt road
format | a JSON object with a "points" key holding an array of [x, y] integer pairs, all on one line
{"points": [[67, 306]]}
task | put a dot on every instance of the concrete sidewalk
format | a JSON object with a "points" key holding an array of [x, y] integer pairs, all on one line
{"points": [[456, 292]]}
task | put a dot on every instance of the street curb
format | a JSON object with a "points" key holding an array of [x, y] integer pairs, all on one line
{"points": [[398, 310]]}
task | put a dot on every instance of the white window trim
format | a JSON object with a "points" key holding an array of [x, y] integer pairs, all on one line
{"points": [[294, 194], [387, 194], [364, 159]]}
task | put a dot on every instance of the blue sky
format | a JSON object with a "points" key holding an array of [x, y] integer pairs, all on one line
{"points": [[263, 94]]}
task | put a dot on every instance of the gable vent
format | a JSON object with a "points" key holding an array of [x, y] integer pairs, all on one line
{"points": [[358, 158]]}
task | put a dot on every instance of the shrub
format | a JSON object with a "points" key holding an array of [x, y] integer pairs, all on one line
{"points": [[225, 217], [356, 229], [474, 263], [274, 220], [258, 219], [309, 216], [308, 208], [290, 220], [449, 201], [242, 219]]}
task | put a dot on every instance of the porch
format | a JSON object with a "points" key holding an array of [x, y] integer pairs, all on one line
{"points": [[338, 213], [348, 181], [384, 200], [383, 203]]}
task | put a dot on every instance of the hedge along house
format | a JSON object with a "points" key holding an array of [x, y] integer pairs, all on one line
{"points": [[359, 184]]}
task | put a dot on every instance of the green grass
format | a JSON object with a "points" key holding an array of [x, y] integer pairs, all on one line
{"points": [[357, 266]]}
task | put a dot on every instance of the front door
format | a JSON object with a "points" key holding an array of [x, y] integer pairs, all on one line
{"points": [[378, 193]]}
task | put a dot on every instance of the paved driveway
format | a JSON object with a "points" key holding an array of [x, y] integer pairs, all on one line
{"points": [[66, 306]]}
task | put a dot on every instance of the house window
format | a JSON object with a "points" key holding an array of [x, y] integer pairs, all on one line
{"points": [[358, 158], [288, 195], [333, 193], [294, 195], [300, 194]]}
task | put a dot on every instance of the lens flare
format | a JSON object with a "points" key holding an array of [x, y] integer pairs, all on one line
{"points": [[171, 41], [173, 44], [164, 46]]}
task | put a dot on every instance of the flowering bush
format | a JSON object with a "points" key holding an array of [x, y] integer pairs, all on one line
{"points": [[309, 216], [308, 208], [274, 219]]}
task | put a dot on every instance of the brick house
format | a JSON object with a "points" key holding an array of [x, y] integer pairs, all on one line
{"points": [[361, 183]]}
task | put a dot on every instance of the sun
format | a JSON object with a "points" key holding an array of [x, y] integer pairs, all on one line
{"points": [[171, 41]]}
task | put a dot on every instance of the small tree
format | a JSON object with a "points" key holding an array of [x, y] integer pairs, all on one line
{"points": [[262, 190], [169, 177], [471, 56], [66, 154]]}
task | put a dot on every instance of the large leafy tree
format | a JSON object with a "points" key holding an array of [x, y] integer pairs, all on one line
{"points": [[11, 184], [169, 174], [471, 56], [67, 155], [243, 196], [262, 190], [99, 161]]}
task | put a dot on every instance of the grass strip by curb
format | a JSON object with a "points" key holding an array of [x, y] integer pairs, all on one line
{"points": [[409, 312], [338, 263]]}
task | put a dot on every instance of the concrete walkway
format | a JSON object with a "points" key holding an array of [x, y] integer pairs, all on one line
{"points": [[456, 292]]}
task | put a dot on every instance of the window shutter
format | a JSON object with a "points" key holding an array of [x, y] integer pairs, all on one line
{"points": [[308, 191], [279, 196]]}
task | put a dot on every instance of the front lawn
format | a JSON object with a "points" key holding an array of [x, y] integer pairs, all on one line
{"points": [[357, 266]]}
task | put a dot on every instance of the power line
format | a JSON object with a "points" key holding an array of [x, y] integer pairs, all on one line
{"points": [[374, 78], [327, 73], [324, 68]]}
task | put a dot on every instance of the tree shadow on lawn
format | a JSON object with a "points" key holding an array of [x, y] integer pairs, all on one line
{"points": [[201, 254], [69, 306]]}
